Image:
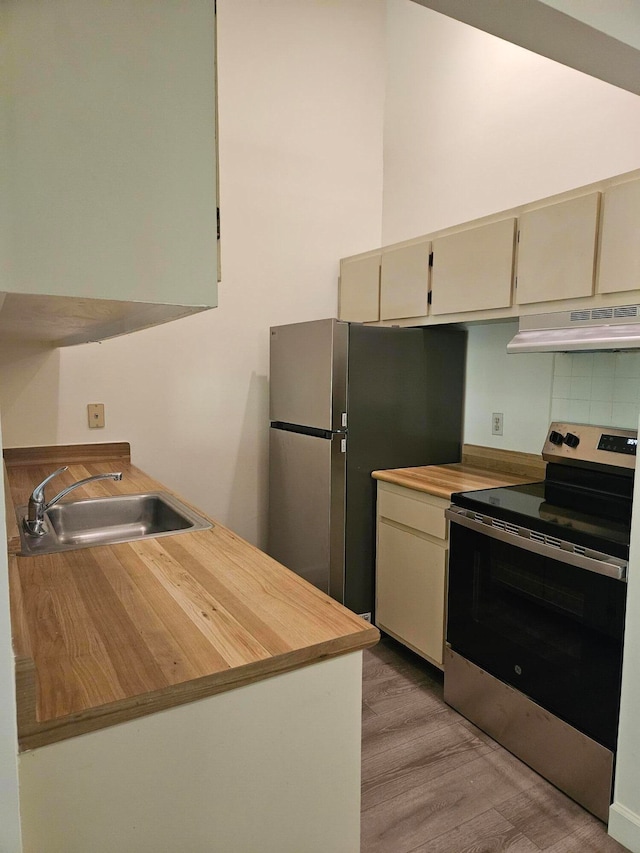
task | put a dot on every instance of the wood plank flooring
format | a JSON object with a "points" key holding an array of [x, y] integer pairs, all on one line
{"points": [[434, 783]]}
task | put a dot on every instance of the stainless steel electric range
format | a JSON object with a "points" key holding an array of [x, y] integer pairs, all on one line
{"points": [[536, 607]]}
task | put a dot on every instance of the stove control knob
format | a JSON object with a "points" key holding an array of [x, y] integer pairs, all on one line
{"points": [[571, 440], [556, 437]]}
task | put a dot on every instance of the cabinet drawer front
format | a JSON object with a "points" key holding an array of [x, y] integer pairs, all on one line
{"points": [[412, 512]]}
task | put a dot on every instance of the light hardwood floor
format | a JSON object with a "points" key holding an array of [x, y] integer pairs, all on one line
{"points": [[434, 783]]}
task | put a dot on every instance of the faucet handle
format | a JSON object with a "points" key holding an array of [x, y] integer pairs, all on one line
{"points": [[38, 492]]}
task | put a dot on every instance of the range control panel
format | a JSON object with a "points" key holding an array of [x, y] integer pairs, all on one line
{"points": [[618, 444], [589, 443]]}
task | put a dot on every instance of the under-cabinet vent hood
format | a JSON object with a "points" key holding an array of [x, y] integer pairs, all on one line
{"points": [[616, 328]]}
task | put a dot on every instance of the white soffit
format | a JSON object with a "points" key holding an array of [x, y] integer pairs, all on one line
{"points": [[543, 29]]}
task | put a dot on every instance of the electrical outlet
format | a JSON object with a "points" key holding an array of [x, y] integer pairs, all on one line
{"points": [[496, 423], [95, 412]]}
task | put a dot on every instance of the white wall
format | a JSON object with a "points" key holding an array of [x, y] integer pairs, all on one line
{"points": [[475, 125], [500, 383], [29, 394], [624, 816], [300, 123], [9, 804]]}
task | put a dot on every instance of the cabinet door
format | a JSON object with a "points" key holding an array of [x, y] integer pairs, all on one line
{"points": [[404, 282], [619, 264], [557, 250], [110, 150], [473, 269], [410, 589], [359, 297]]}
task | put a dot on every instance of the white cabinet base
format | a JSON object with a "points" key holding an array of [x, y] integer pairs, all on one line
{"points": [[271, 767]]}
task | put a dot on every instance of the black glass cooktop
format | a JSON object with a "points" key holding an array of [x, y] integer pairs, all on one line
{"points": [[591, 519]]}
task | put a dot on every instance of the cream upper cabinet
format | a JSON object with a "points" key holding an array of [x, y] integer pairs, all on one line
{"points": [[557, 250], [359, 292], [473, 269], [110, 151], [404, 281], [411, 569], [619, 263]]}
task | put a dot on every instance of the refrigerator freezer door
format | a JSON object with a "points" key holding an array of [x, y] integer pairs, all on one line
{"points": [[308, 374], [306, 507]]}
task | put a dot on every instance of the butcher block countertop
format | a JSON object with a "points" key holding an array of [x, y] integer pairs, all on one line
{"points": [[481, 468], [115, 632]]}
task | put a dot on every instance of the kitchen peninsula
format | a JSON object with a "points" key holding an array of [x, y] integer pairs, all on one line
{"points": [[181, 692]]}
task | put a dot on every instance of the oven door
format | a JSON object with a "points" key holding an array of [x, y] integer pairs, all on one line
{"points": [[551, 629]]}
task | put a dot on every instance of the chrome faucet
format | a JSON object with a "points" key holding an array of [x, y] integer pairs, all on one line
{"points": [[34, 520]]}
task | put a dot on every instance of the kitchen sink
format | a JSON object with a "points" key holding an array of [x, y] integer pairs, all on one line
{"points": [[107, 521]]}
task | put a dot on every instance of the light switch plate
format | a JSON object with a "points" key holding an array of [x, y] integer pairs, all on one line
{"points": [[95, 413]]}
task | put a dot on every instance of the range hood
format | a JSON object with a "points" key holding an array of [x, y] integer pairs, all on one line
{"points": [[615, 328]]}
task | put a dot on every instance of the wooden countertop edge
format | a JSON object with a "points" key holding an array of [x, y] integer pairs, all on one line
{"points": [[32, 734]]}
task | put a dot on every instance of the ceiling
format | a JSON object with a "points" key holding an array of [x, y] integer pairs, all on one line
{"points": [[603, 42]]}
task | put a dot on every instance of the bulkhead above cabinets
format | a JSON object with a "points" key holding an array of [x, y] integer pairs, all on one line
{"points": [[580, 249]]}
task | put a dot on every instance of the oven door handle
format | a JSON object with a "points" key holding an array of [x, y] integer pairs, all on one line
{"points": [[522, 537]]}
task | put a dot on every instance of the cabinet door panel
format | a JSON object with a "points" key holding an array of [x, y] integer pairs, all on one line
{"points": [[619, 265], [360, 289], [404, 282], [556, 250], [410, 589], [473, 269], [111, 150]]}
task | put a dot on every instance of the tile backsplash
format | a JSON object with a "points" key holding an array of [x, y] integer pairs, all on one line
{"points": [[597, 388]]}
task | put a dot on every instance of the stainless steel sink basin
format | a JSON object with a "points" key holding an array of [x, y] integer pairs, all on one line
{"points": [[106, 521]]}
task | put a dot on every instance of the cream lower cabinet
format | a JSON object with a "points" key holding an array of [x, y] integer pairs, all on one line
{"points": [[411, 569]]}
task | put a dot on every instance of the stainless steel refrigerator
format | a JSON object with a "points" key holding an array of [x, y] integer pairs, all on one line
{"points": [[346, 400]]}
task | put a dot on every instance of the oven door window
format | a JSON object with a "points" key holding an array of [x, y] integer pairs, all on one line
{"points": [[549, 629]]}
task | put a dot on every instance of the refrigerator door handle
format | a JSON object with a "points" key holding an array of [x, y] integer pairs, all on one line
{"points": [[343, 445]]}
